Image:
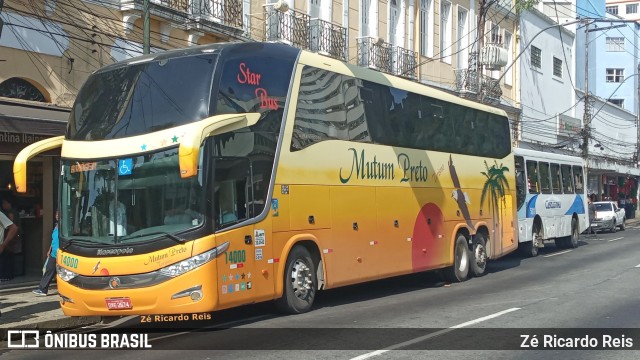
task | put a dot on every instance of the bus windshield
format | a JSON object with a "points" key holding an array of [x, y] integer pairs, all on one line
{"points": [[128, 200], [132, 99]]}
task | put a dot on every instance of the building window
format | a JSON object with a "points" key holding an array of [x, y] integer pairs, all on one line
{"points": [[617, 102], [536, 57], [21, 89], [615, 75], [632, 8], [462, 52], [612, 9], [615, 43], [445, 31], [364, 17], [508, 76], [426, 24], [496, 38], [557, 67]]}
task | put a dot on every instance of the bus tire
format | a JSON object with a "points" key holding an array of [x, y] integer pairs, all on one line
{"points": [[529, 249], [572, 241], [300, 282], [479, 255], [459, 272]]}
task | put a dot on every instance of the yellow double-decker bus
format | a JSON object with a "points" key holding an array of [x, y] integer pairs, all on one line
{"points": [[205, 178]]}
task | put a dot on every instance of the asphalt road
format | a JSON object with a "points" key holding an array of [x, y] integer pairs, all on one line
{"points": [[594, 288]]}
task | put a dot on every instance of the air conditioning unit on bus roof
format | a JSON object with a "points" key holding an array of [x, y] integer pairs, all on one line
{"points": [[493, 57]]}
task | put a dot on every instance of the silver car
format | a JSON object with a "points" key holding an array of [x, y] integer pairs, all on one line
{"points": [[608, 216]]}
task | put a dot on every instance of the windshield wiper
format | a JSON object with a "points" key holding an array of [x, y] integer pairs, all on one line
{"points": [[169, 235], [72, 241]]}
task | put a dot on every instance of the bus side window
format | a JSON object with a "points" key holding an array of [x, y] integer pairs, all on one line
{"points": [[578, 179], [545, 183], [556, 182], [520, 181], [532, 177], [567, 180]]}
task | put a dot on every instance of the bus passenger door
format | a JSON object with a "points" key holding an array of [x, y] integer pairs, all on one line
{"points": [[244, 270]]}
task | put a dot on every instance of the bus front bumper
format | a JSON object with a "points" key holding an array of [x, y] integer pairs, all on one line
{"points": [[192, 292]]}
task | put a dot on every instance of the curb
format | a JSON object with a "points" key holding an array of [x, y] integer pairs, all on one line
{"points": [[65, 323]]}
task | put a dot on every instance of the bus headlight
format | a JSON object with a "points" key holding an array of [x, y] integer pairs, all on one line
{"points": [[191, 263], [65, 274]]}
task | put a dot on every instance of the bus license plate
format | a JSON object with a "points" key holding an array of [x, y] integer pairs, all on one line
{"points": [[118, 303]]}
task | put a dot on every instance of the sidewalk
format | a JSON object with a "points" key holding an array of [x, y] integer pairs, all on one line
{"points": [[22, 309]]}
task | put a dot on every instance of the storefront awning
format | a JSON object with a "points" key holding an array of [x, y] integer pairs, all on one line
{"points": [[21, 118]]}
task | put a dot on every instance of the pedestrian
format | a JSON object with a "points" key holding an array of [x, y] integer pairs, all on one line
{"points": [[8, 233], [50, 263], [15, 247], [592, 215]]}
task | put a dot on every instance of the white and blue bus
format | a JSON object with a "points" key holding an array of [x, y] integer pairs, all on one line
{"points": [[551, 199]]}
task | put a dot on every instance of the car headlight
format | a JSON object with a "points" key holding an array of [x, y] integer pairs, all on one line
{"points": [[65, 274], [193, 262]]}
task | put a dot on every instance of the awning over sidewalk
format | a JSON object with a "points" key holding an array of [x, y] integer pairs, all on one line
{"points": [[30, 119]]}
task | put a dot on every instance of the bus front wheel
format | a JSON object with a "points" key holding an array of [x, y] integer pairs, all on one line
{"points": [[300, 282], [460, 269]]}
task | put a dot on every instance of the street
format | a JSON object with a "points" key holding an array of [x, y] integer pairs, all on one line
{"points": [[592, 287]]}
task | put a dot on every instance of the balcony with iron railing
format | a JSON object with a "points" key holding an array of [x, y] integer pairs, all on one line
{"points": [[224, 12], [290, 27], [405, 63], [377, 54], [227, 12], [328, 39], [468, 83]]}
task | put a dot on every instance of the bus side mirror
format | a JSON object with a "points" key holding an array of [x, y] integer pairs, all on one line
{"points": [[20, 164], [189, 150]]}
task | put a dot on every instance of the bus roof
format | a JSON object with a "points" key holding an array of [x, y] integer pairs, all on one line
{"points": [[546, 156], [327, 63], [317, 60]]}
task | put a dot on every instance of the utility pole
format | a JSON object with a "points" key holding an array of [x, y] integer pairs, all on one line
{"points": [[586, 118], [637, 159], [145, 27]]}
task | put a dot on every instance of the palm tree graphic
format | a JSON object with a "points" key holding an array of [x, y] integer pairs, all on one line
{"points": [[494, 188]]}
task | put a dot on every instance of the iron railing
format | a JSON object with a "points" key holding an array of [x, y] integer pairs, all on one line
{"points": [[227, 12], [291, 27], [327, 38], [178, 5], [467, 83], [375, 54], [405, 63]]}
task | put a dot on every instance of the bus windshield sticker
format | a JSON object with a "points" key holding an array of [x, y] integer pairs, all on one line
{"points": [[125, 166], [259, 237], [258, 254], [274, 207]]}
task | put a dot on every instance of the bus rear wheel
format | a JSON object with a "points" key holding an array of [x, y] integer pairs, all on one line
{"points": [[460, 269], [479, 255], [300, 282]]}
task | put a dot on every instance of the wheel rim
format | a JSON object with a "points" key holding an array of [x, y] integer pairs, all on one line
{"points": [[462, 257], [480, 254], [301, 279]]}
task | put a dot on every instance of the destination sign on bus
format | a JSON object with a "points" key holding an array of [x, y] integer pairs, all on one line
{"points": [[80, 167]]}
